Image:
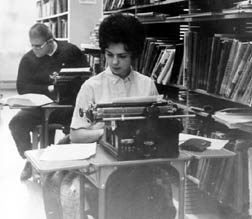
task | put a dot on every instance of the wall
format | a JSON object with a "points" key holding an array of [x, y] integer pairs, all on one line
{"points": [[16, 17]]}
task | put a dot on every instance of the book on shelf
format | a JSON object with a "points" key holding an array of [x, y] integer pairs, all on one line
{"points": [[240, 77], [151, 54], [229, 66], [188, 58], [177, 64], [250, 179], [151, 16], [199, 62], [164, 55], [242, 46], [26, 100], [195, 47], [240, 66], [237, 10], [242, 83], [225, 50], [165, 74], [206, 62], [214, 58], [246, 97]]}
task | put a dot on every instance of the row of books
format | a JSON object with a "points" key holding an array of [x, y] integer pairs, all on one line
{"points": [[220, 65], [162, 60], [219, 176], [51, 7], [59, 28], [118, 4]]}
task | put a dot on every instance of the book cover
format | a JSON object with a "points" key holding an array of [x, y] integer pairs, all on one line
{"points": [[195, 56], [237, 85], [157, 64], [161, 64], [158, 46], [247, 93], [239, 69], [177, 62], [201, 61], [206, 63], [242, 85], [188, 58], [242, 46], [222, 64], [26, 100], [229, 66], [214, 59], [165, 75]]}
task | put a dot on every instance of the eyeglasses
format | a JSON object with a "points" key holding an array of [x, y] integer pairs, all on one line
{"points": [[41, 46]]}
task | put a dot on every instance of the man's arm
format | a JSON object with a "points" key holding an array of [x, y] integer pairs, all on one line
{"points": [[25, 83]]}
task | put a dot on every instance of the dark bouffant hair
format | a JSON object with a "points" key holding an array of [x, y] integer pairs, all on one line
{"points": [[125, 29]]}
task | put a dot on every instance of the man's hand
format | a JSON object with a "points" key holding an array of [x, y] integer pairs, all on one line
{"points": [[51, 88]]}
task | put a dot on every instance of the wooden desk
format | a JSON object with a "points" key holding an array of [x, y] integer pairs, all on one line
{"points": [[48, 109], [99, 168]]}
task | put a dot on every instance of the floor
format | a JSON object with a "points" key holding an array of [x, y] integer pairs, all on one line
{"points": [[23, 200]]}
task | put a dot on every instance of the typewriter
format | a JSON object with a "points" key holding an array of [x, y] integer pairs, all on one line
{"points": [[143, 130], [67, 83]]}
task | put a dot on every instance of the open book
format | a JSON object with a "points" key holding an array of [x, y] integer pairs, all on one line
{"points": [[26, 100]]}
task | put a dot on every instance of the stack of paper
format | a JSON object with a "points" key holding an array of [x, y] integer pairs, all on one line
{"points": [[234, 118], [66, 152]]}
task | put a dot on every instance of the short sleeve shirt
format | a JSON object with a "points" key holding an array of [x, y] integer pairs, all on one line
{"points": [[105, 86]]}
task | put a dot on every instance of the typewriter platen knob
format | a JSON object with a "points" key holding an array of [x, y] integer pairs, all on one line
{"points": [[81, 112]]}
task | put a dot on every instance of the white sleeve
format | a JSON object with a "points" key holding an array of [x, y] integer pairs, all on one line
{"points": [[84, 98]]}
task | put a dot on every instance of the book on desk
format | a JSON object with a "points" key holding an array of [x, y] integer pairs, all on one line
{"points": [[26, 100]]}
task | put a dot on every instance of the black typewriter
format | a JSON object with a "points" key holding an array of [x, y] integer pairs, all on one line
{"points": [[67, 83], [143, 130]]}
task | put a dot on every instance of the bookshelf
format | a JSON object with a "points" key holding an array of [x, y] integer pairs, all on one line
{"points": [[70, 20], [206, 36]]}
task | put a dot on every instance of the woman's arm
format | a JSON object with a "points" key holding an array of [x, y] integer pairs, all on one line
{"points": [[85, 135]]}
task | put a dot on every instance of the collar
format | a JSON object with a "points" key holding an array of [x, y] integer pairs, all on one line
{"points": [[115, 79], [55, 47]]}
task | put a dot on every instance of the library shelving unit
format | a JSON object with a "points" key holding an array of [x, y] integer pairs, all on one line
{"points": [[212, 70], [70, 20]]}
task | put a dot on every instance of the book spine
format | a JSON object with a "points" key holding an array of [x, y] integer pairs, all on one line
{"points": [[239, 54], [228, 67]]}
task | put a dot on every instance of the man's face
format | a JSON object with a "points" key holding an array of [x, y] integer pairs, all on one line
{"points": [[40, 47], [118, 59]]}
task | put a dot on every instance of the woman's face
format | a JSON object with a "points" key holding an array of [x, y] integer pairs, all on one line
{"points": [[118, 59]]}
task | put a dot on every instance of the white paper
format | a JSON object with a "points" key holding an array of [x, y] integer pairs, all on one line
{"points": [[137, 99], [215, 143], [66, 152]]}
